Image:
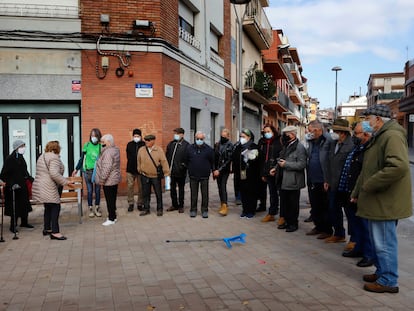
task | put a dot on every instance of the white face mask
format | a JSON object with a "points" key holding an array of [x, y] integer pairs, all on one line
{"points": [[21, 150], [243, 140], [335, 136], [94, 140], [137, 139], [176, 137]]}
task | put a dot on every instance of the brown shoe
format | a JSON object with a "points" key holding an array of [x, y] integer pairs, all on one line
{"points": [[171, 209], [313, 232], [323, 236], [370, 278], [268, 218], [181, 210], [335, 239], [349, 246], [281, 221], [378, 288]]}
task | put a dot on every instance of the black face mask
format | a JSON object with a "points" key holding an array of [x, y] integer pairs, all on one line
{"points": [[103, 145], [223, 140], [285, 139], [356, 140]]}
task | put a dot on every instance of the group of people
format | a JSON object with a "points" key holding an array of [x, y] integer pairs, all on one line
{"points": [[363, 171]]}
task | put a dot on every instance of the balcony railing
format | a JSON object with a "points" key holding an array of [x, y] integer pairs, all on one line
{"points": [[261, 82], [39, 10], [189, 38], [256, 15]]}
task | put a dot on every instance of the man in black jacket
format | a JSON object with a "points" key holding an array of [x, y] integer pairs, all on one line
{"points": [[132, 172], [176, 156]]}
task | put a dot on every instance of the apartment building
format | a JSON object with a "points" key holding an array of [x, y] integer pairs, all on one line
{"points": [[406, 104]]}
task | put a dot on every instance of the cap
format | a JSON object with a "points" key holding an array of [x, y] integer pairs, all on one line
{"points": [[341, 125], [137, 132], [149, 137], [290, 128], [380, 110], [179, 130], [18, 143]]}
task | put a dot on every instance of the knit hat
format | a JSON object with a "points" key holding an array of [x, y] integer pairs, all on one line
{"points": [[18, 143], [136, 132], [380, 110]]}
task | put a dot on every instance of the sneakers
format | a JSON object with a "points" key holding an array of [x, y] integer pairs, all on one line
{"points": [[193, 214], [97, 212], [268, 218], [91, 213], [242, 215], [249, 216], [204, 214], [335, 239], [109, 222], [378, 288]]}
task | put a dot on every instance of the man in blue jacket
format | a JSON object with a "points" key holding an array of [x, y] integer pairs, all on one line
{"points": [[200, 163]]}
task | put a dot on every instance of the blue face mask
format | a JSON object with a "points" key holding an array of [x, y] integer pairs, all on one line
{"points": [[268, 135], [176, 137], [366, 127], [199, 142]]}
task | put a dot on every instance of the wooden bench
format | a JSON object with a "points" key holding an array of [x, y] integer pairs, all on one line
{"points": [[71, 195]]}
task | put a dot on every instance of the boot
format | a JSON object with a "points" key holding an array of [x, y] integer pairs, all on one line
{"points": [[223, 209], [97, 212], [91, 213]]}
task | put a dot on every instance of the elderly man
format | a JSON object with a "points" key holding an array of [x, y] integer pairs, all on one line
{"points": [[383, 195], [200, 162]]}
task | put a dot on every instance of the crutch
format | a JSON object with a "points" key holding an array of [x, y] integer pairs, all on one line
{"points": [[237, 238], [14, 188], [2, 210]]}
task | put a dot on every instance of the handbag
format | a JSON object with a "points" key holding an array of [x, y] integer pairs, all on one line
{"points": [[29, 185], [160, 172]]}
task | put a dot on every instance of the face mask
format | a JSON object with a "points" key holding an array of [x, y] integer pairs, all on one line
{"points": [[366, 127], [223, 140], [335, 136], [21, 150], [356, 140], [94, 140], [103, 145], [137, 139], [268, 135], [309, 136], [285, 139], [176, 137], [199, 142], [243, 140]]}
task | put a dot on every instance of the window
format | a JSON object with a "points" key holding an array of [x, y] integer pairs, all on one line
{"points": [[186, 18], [186, 26], [214, 41]]}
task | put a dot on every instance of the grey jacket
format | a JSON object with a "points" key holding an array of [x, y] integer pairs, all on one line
{"points": [[293, 173]]}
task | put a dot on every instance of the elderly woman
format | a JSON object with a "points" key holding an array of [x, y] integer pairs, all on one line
{"points": [[49, 176], [14, 173], [108, 175]]}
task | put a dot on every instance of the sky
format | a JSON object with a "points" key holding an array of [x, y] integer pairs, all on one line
{"points": [[360, 36]]}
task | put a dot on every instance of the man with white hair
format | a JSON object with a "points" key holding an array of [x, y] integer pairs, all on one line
{"points": [[383, 195]]}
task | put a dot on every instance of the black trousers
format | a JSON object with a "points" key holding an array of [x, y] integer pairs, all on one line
{"points": [[110, 197], [249, 197], [203, 185], [222, 186], [177, 202], [289, 206], [146, 183], [51, 217], [318, 198]]}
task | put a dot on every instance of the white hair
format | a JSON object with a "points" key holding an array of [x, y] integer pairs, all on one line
{"points": [[200, 133], [109, 138]]}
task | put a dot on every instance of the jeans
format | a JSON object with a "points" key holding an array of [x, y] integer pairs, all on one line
{"points": [[194, 185], [273, 195], [91, 187], [51, 217], [222, 186], [177, 202], [110, 197], [131, 183], [146, 183], [384, 240]]}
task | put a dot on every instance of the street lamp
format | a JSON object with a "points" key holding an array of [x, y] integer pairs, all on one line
{"points": [[336, 69], [240, 51]]}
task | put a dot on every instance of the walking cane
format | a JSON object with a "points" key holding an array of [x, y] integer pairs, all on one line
{"points": [[14, 188], [2, 209]]}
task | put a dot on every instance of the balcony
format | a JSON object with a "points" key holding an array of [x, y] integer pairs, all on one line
{"points": [[39, 10], [275, 68], [257, 26], [407, 104], [189, 38], [294, 70], [280, 102], [295, 96], [259, 86]]}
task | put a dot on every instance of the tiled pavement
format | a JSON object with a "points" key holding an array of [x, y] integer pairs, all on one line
{"points": [[129, 266]]}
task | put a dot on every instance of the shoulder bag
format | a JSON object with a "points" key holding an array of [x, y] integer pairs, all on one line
{"points": [[160, 172]]}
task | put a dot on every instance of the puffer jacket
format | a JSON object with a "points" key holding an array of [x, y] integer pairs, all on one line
{"points": [[108, 171], [49, 170], [383, 187]]}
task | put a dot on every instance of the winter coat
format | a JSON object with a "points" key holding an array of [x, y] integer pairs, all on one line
{"points": [[293, 172], [176, 156], [325, 144], [15, 172], [269, 152], [200, 161], [49, 175], [108, 172], [223, 154], [132, 155], [383, 187], [146, 167], [337, 161], [251, 166]]}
